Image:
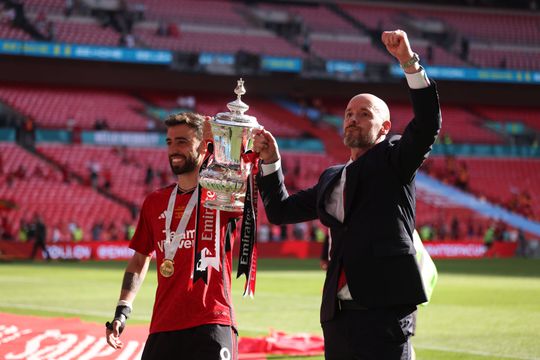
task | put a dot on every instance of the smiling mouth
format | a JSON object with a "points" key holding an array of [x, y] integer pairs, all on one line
{"points": [[177, 158]]}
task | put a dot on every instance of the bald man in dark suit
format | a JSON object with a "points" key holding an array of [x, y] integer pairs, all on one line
{"points": [[373, 283]]}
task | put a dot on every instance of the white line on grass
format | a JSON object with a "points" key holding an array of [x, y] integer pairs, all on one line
{"points": [[472, 352]]}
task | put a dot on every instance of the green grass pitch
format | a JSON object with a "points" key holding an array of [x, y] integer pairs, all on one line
{"points": [[481, 309]]}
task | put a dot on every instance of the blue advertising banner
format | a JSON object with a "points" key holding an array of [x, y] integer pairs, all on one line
{"points": [[281, 64], [346, 67], [84, 52], [473, 74]]}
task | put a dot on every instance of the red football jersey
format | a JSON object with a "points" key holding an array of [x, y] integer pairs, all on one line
{"points": [[179, 302]]}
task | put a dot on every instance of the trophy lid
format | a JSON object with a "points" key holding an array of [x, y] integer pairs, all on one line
{"points": [[237, 108]]}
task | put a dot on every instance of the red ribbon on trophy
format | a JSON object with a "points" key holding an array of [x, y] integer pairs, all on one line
{"points": [[247, 257]]}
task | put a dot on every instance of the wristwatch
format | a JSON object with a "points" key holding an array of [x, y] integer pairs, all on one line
{"points": [[415, 58]]}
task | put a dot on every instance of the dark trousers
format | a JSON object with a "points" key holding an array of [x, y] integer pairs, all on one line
{"points": [[370, 334], [40, 245], [205, 342]]}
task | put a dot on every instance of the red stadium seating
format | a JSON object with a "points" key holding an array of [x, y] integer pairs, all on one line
{"points": [[85, 31], [128, 171], [47, 6], [220, 40], [271, 116], [512, 58], [55, 200], [9, 32], [194, 11], [500, 179], [530, 116], [317, 18], [52, 107]]}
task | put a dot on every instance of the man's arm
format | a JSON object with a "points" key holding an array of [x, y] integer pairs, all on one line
{"points": [[280, 207], [133, 277], [421, 132]]}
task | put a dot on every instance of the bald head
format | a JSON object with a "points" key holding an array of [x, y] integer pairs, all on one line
{"points": [[367, 121], [376, 104]]}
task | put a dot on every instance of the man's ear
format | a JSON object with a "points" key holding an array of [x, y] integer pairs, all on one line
{"points": [[386, 126]]}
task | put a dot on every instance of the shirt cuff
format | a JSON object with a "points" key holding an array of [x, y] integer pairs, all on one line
{"points": [[268, 169], [418, 80]]}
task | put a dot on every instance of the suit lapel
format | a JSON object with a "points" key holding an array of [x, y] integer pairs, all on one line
{"points": [[351, 184], [327, 185]]}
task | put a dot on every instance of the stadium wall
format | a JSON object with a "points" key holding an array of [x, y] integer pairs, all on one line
{"points": [[119, 250]]}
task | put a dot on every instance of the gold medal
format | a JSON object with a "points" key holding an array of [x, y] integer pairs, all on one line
{"points": [[166, 268]]}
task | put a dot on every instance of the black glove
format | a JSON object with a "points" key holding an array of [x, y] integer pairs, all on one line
{"points": [[121, 314]]}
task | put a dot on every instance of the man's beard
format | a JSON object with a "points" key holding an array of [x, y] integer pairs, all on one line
{"points": [[352, 140], [189, 165]]}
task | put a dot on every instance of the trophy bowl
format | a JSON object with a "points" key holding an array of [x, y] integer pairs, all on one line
{"points": [[227, 174]]}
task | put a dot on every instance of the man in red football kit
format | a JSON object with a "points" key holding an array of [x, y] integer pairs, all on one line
{"points": [[193, 315]]}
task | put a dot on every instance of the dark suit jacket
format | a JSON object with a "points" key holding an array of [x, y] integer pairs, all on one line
{"points": [[374, 243]]}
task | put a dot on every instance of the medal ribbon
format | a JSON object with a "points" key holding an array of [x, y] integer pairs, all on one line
{"points": [[171, 242], [247, 257]]}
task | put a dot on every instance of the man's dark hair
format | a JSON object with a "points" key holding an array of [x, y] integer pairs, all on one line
{"points": [[193, 120]]}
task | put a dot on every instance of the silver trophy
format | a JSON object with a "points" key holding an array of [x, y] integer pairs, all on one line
{"points": [[227, 174]]}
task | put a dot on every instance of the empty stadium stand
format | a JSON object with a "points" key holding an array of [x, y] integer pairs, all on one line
{"points": [[58, 202], [53, 107]]}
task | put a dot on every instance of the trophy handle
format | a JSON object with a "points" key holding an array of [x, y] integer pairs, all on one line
{"points": [[249, 144]]}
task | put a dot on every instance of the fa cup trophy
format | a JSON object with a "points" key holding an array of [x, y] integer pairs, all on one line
{"points": [[227, 174]]}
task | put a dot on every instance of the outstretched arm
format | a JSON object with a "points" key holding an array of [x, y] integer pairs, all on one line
{"points": [[133, 277], [420, 134], [280, 207]]}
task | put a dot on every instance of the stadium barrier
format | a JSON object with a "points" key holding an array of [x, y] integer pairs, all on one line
{"points": [[118, 250]]}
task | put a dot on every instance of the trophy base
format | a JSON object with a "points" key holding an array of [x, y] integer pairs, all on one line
{"points": [[236, 206]]}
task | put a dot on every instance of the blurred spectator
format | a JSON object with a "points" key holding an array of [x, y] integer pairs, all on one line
{"points": [[127, 40], [187, 102], [107, 178], [68, 8], [464, 51], [27, 132], [489, 236], [129, 230], [57, 233], [94, 168], [264, 233], [318, 233], [275, 231], [429, 54], [173, 30], [161, 29], [112, 232], [454, 229], [101, 124], [502, 63], [97, 229], [284, 233], [149, 176], [24, 229], [522, 248], [163, 178], [150, 124], [40, 22], [40, 237], [6, 232], [300, 231], [426, 232], [470, 228]]}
